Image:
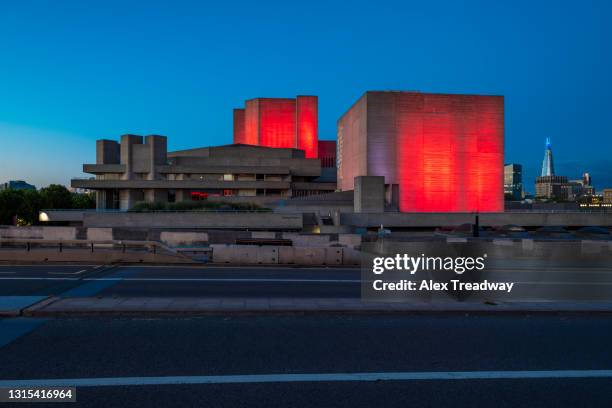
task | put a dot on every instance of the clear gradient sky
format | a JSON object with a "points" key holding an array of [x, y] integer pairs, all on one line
{"points": [[72, 72]]}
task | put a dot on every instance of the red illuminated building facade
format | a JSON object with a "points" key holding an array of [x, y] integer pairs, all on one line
{"points": [[444, 152], [327, 153], [279, 122]]}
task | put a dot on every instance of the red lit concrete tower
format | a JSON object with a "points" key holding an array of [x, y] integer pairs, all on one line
{"points": [[279, 122], [445, 152]]}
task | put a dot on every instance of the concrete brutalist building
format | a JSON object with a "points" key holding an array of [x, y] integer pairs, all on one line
{"points": [[141, 169]]}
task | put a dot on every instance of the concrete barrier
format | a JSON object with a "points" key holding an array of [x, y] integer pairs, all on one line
{"points": [[176, 239], [349, 240], [50, 233], [196, 219], [285, 255], [307, 240], [263, 234], [244, 254], [83, 255], [310, 256], [99, 234]]}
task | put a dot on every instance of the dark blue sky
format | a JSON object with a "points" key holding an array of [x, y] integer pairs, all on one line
{"points": [[72, 72]]}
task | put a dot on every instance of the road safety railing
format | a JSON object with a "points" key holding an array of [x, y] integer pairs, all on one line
{"points": [[28, 244]]}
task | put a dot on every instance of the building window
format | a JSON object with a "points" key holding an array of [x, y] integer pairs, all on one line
{"points": [[228, 177]]}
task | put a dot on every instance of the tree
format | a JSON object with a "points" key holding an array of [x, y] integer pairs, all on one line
{"points": [[83, 201], [32, 204], [11, 201], [56, 196]]}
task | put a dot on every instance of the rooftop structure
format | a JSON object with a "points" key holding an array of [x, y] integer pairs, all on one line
{"points": [[279, 122], [140, 169]]}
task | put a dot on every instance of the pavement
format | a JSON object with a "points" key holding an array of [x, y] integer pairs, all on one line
{"points": [[315, 360]]}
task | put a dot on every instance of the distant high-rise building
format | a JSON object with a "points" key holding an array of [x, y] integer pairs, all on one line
{"points": [[551, 187], [513, 181], [586, 179], [548, 168], [607, 195], [16, 185]]}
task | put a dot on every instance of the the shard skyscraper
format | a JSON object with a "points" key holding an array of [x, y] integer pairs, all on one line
{"points": [[548, 169]]}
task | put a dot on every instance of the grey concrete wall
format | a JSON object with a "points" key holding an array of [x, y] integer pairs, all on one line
{"points": [[252, 255], [107, 152], [432, 220], [175, 239], [369, 194], [194, 220], [51, 233], [352, 144]]}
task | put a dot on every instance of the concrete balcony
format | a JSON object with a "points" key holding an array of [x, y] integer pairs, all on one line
{"points": [[313, 186], [176, 184], [103, 168]]}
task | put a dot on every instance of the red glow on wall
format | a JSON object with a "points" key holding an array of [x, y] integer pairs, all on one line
{"points": [[239, 125], [327, 153], [450, 153], [251, 123], [306, 119], [278, 122]]}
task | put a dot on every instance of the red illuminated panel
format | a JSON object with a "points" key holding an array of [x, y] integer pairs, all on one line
{"points": [[239, 135], [306, 115], [251, 122], [450, 152], [277, 122], [327, 152]]}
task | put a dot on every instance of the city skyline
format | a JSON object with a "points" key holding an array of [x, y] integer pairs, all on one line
{"points": [[180, 72]]}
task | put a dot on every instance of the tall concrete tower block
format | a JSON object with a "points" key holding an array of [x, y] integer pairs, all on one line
{"points": [[445, 152]]}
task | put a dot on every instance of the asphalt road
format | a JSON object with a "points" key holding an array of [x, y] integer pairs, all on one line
{"points": [[534, 281], [183, 350], [176, 281]]}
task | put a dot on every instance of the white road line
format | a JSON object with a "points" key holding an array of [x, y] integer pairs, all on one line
{"points": [[188, 280], [267, 280], [68, 273], [36, 278], [322, 377], [43, 266]]}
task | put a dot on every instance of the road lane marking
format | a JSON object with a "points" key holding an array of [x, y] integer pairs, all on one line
{"points": [[266, 280], [321, 377], [263, 280], [37, 278], [68, 273]]}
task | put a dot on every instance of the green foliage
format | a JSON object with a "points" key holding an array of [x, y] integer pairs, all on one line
{"points": [[56, 196], [196, 206], [85, 201], [11, 201], [145, 206], [25, 205]]}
